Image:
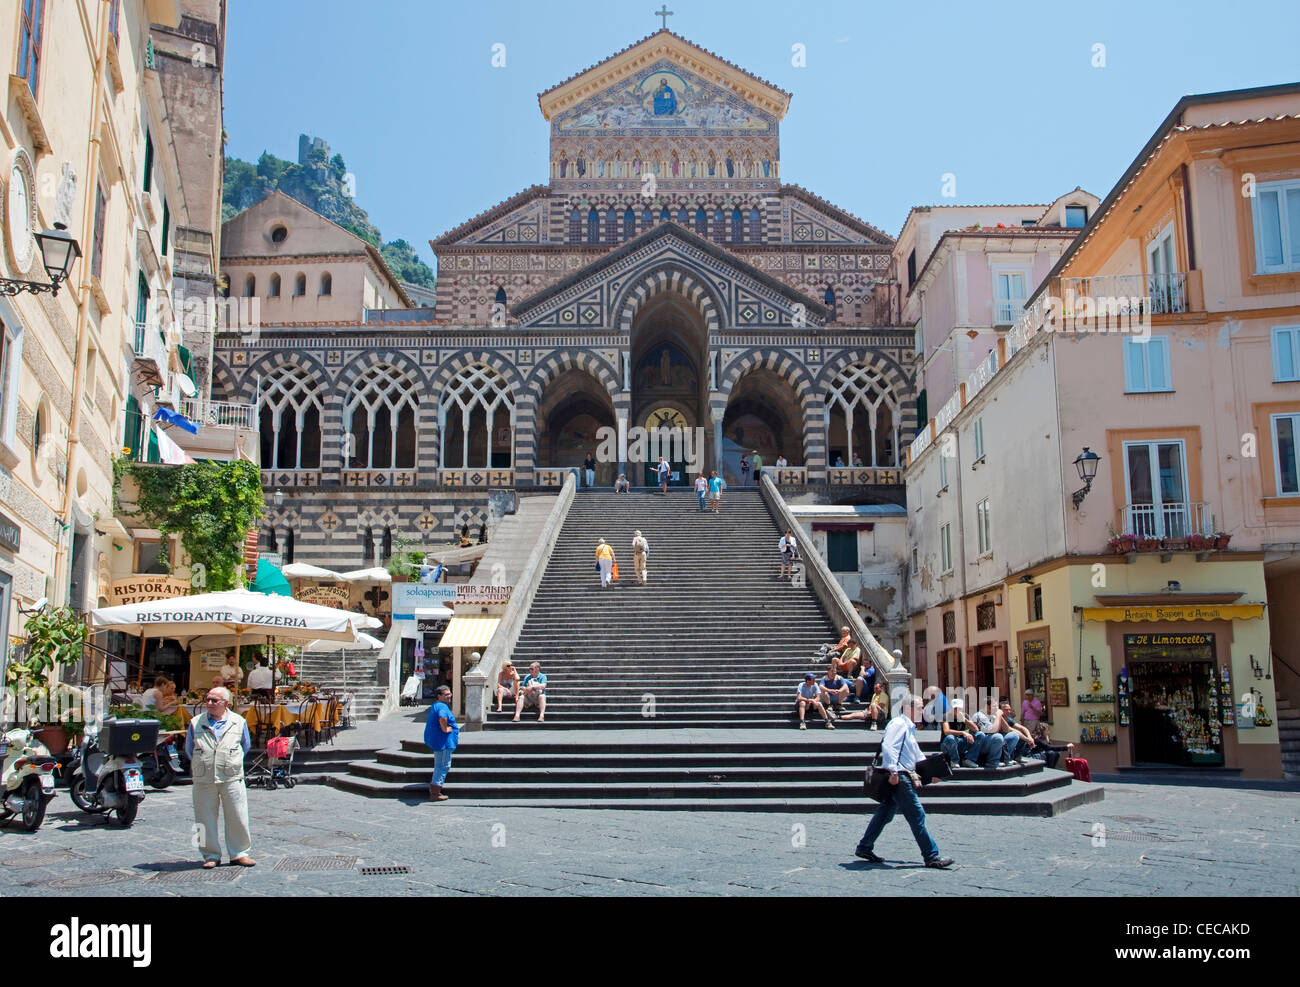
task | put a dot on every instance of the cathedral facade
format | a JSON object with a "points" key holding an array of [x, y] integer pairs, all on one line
{"points": [[663, 275]]}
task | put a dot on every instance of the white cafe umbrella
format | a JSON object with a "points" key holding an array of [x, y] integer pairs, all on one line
{"points": [[218, 619], [301, 570], [364, 642], [375, 575], [360, 620]]}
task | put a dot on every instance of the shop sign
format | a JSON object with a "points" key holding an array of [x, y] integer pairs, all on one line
{"points": [[10, 534], [325, 596], [1058, 692], [431, 625], [1035, 652], [483, 594], [408, 597], [212, 661], [1244, 611], [1166, 640], [146, 589]]}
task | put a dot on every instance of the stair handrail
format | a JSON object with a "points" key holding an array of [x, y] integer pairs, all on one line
{"points": [[1278, 657], [477, 681], [833, 597]]}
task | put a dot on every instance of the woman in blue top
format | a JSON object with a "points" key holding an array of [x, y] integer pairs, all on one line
{"points": [[440, 735]]}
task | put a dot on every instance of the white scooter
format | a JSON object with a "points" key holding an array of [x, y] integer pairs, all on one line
{"points": [[27, 779], [112, 777]]}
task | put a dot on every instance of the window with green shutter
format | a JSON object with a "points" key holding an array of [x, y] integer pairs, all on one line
{"points": [[167, 219], [842, 551], [131, 427], [148, 160]]}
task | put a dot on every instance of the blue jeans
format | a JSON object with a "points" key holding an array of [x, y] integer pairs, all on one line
{"points": [[700, 494], [903, 800], [1010, 741], [956, 747], [441, 765]]}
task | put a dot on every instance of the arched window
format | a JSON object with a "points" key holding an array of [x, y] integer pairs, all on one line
{"points": [[575, 225], [647, 219], [476, 419], [611, 225], [387, 552], [684, 217], [500, 299], [664, 215], [701, 222], [288, 546], [379, 418], [250, 286], [300, 285], [289, 419], [593, 226], [718, 226], [269, 544], [326, 284], [629, 223], [862, 399], [737, 226], [755, 226], [274, 291], [829, 299], [368, 548]]}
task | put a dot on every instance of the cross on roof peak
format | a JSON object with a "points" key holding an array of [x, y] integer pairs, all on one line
{"points": [[665, 13]]}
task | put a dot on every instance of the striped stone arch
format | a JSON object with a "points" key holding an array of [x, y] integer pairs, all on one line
{"points": [[225, 381], [332, 425], [901, 383], [778, 361], [793, 372], [543, 374], [267, 364], [641, 288], [562, 361]]}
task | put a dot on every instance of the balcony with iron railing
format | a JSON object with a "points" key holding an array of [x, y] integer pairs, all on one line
{"points": [[150, 348], [219, 414], [1169, 521], [1132, 295]]}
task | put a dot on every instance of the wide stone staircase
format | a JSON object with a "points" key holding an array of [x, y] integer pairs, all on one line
{"points": [[358, 674], [713, 638], [680, 694], [1288, 729]]}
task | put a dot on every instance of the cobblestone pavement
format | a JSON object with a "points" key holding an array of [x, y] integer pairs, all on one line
{"points": [[1141, 841]]}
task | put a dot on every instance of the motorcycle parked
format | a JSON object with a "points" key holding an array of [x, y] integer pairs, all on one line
{"points": [[27, 780], [163, 765], [110, 776]]}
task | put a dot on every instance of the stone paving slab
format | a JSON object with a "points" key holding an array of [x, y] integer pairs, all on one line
{"points": [[1141, 841]]}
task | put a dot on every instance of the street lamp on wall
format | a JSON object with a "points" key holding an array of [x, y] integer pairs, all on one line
{"points": [[58, 253], [1086, 464]]}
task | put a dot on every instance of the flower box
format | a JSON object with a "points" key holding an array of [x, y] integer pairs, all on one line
{"points": [[1149, 544], [1221, 540]]}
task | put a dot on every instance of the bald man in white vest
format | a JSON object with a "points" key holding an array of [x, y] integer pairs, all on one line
{"points": [[216, 744]]}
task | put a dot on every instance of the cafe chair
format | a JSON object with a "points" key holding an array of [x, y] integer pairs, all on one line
{"points": [[266, 728], [328, 725]]}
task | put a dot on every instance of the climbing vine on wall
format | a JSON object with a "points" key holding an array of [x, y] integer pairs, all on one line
{"points": [[211, 506]]}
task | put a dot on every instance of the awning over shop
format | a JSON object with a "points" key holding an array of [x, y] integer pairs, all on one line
{"points": [[1244, 611], [842, 528], [469, 632], [455, 556]]}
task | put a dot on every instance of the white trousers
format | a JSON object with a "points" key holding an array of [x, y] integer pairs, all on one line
{"points": [[232, 799], [606, 571]]}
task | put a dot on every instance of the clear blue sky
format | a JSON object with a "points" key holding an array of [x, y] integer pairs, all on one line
{"points": [[1002, 95]]}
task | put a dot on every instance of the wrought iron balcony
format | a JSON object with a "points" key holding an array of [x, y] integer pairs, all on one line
{"points": [[219, 414], [1171, 520], [1126, 294]]}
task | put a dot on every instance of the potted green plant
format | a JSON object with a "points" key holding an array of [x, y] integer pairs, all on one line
{"points": [[55, 637]]}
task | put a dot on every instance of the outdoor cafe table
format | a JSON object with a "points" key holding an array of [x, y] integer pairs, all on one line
{"points": [[282, 715]]}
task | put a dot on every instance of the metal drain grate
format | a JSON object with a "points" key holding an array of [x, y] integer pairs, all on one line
{"points": [[196, 874], [384, 871], [316, 863], [94, 879], [328, 841], [1131, 819], [42, 859]]}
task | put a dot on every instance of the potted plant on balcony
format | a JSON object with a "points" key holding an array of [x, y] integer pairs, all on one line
{"points": [[1200, 543], [1123, 544], [1221, 539]]}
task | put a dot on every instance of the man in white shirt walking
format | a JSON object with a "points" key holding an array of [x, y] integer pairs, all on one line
{"points": [[899, 755]]}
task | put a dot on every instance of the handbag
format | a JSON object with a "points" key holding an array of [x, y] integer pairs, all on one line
{"points": [[876, 781], [613, 573], [936, 767]]}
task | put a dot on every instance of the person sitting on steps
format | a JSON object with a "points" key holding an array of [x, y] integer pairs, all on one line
{"points": [[533, 692], [808, 697]]}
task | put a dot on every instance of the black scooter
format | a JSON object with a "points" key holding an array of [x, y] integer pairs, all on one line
{"points": [[162, 767]]}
